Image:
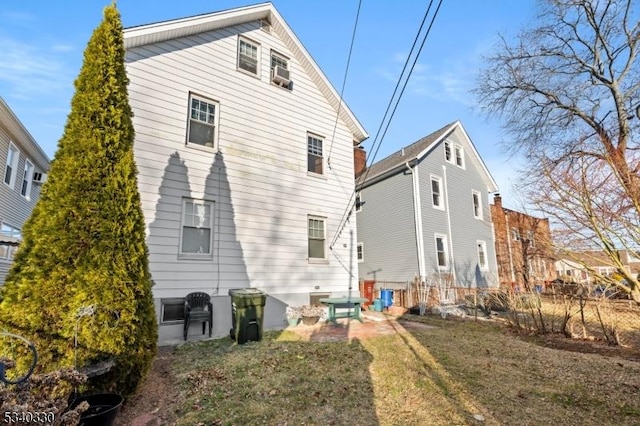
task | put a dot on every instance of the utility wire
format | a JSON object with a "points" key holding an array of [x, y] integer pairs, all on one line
{"points": [[344, 83], [348, 209]]}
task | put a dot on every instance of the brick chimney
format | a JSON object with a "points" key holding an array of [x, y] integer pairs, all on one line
{"points": [[497, 201], [359, 160]]}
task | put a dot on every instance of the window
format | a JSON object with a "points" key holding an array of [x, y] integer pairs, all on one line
{"points": [[436, 192], [459, 156], [27, 178], [248, 55], [482, 255], [281, 61], [477, 205], [202, 121], [11, 168], [515, 234], [172, 310], [441, 251], [314, 155], [197, 221], [360, 251], [447, 151], [531, 239], [7, 251], [316, 232], [358, 203]]}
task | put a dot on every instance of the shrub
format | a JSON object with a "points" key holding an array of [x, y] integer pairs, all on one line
{"points": [[84, 245]]}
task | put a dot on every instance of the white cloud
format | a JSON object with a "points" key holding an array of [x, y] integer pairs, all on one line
{"points": [[27, 71]]}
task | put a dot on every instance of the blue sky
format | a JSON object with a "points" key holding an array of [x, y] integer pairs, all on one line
{"points": [[43, 44]]}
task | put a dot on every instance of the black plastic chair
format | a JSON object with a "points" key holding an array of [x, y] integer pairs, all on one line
{"points": [[197, 308]]}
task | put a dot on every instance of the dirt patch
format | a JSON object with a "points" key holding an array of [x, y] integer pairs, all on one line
{"points": [[587, 346], [152, 404]]}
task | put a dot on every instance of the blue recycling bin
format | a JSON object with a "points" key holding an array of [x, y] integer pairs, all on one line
{"points": [[387, 297]]}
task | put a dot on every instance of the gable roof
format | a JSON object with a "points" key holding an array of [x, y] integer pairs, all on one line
{"points": [[417, 151], [21, 136], [183, 27]]}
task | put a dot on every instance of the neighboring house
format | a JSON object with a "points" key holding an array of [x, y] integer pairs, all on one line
{"points": [[523, 247], [24, 166], [572, 266], [245, 154], [424, 211]]}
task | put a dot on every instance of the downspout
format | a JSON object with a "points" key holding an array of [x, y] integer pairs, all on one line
{"points": [[417, 216], [446, 200], [513, 276]]}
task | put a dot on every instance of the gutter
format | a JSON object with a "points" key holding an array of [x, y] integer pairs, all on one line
{"points": [[446, 200], [417, 216]]}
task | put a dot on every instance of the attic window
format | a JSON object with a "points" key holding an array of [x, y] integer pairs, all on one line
{"points": [[447, 151], [248, 56]]}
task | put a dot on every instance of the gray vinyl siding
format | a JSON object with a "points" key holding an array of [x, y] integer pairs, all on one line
{"points": [[14, 208], [386, 227], [466, 230]]}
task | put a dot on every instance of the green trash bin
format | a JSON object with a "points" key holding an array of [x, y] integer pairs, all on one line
{"points": [[247, 314]]}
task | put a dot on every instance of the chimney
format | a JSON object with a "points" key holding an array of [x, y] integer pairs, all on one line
{"points": [[497, 201], [359, 160]]}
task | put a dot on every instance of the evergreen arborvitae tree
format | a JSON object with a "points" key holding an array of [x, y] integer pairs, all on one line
{"points": [[84, 245]]}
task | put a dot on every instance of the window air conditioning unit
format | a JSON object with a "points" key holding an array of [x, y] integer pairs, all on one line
{"points": [[280, 76], [39, 177]]}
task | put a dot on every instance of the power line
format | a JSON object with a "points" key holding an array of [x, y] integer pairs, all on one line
{"points": [[348, 209], [344, 82]]}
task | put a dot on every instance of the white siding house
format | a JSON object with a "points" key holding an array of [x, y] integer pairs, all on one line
{"points": [[432, 197], [245, 158], [23, 167]]}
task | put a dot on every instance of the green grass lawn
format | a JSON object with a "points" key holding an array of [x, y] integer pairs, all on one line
{"points": [[436, 376]]}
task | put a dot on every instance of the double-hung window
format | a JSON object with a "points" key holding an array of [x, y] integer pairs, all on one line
{"points": [[358, 202], [203, 121], [8, 250], [248, 54], [316, 227], [11, 168], [515, 234], [459, 156], [482, 256], [360, 252], [279, 60], [441, 251], [315, 159], [197, 228], [436, 192], [27, 178], [477, 204], [447, 152]]}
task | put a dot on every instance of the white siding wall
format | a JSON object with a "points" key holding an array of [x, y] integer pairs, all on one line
{"points": [[259, 179]]}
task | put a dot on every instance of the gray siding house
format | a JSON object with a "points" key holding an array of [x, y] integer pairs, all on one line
{"points": [[24, 166], [424, 210], [234, 126]]}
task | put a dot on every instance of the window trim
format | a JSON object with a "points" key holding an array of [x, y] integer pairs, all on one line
{"points": [[321, 139], [360, 252], [515, 234], [478, 207], [27, 175], [445, 251], [171, 300], [15, 162], [282, 58], [216, 120], [324, 259], [440, 205], [196, 256], [482, 244], [258, 53], [14, 233]]}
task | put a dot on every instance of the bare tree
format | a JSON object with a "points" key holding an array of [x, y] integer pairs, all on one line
{"points": [[567, 90]]}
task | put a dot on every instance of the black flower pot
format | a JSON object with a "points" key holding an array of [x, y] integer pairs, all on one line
{"points": [[102, 411]]}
